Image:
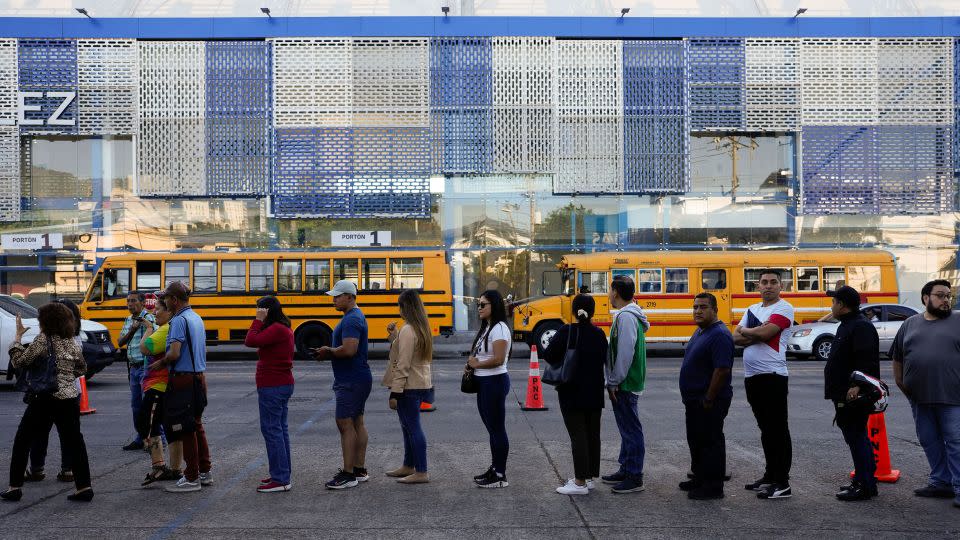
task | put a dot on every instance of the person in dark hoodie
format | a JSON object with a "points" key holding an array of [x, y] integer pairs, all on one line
{"points": [[856, 348]]}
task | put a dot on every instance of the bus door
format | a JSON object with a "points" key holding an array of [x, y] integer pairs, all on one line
{"points": [[716, 282]]}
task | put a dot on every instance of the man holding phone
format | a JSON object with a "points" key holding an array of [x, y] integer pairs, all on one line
{"points": [[130, 336], [352, 382]]}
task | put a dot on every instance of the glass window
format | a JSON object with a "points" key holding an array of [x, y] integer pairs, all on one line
{"points": [[632, 274], [871, 313], [808, 279], [116, 282], [864, 278], [751, 278], [374, 274], [899, 313], [288, 278], [713, 279], [834, 278], [318, 275], [148, 275], [678, 280], [14, 306], [204, 276], [96, 291], [406, 273], [650, 280], [176, 271], [593, 282], [346, 269], [261, 276], [234, 276]]}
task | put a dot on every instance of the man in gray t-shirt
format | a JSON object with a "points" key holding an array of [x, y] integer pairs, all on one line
{"points": [[926, 364]]}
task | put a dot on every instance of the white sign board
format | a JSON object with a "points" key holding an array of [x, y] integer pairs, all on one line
{"points": [[32, 241], [360, 239]]}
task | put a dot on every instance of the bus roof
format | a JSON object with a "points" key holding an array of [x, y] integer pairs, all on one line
{"points": [[262, 255], [820, 257]]}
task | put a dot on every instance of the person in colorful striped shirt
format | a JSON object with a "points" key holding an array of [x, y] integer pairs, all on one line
{"points": [[154, 346]]}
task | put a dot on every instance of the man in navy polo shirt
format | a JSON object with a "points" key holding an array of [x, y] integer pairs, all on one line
{"points": [[706, 392]]}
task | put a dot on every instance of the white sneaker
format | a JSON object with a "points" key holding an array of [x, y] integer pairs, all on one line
{"points": [[590, 484], [206, 478], [571, 488], [183, 486]]}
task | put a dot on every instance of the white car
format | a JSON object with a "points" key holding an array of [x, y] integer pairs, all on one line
{"points": [[815, 339], [98, 350]]}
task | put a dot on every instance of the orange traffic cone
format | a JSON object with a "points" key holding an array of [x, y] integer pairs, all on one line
{"points": [[877, 431], [534, 388], [427, 407], [85, 407]]}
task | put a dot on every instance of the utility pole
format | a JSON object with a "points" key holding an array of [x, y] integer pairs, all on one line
{"points": [[732, 143]]}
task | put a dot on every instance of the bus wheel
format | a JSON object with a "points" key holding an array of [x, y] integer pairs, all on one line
{"points": [[544, 332], [821, 348], [311, 336]]}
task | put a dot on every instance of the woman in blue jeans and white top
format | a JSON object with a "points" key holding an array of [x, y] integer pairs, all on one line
{"points": [[491, 348], [410, 383]]}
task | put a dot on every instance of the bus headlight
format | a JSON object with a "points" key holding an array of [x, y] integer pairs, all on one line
{"points": [[802, 333]]}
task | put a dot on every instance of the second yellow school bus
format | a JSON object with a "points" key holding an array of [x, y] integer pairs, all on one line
{"points": [[226, 287], [667, 282]]}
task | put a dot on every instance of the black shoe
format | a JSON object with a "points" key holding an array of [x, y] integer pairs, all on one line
{"points": [[65, 476], [12, 495], [361, 474], [934, 492], [759, 485], [134, 445], [493, 480], [872, 489], [342, 480], [81, 496], [483, 475], [775, 491], [689, 485], [614, 478], [726, 477], [857, 493], [704, 493], [34, 476]]}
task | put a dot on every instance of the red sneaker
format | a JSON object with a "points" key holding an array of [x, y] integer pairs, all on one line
{"points": [[266, 480], [273, 487]]}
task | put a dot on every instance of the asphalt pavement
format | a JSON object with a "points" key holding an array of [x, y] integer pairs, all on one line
{"points": [[450, 506]]}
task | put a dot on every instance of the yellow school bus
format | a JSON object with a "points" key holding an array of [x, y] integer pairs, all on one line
{"points": [[226, 287], [667, 282]]}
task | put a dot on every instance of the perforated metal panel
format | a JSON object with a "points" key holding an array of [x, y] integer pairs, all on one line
{"points": [[838, 82], [9, 171], [172, 148], [772, 84], [9, 83], [390, 82], [461, 104], [589, 117], [524, 71], [313, 82], [48, 65], [956, 104], [107, 75], [237, 126], [715, 72], [655, 124], [877, 169], [915, 79]]}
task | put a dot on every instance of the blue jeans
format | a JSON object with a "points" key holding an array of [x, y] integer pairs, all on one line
{"points": [[938, 430], [492, 393], [273, 425], [414, 441], [631, 434], [136, 395]]}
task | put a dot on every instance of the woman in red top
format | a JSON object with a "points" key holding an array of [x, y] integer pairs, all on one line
{"points": [[271, 335]]}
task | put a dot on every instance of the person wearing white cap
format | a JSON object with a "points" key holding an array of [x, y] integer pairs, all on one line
{"points": [[352, 382]]}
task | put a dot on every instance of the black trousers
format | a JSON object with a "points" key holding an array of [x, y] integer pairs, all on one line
{"points": [[150, 416], [38, 450], [708, 447], [767, 395], [853, 425], [583, 426], [66, 416]]}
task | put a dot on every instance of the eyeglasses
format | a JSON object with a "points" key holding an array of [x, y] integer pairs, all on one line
{"points": [[943, 296], [481, 305]]}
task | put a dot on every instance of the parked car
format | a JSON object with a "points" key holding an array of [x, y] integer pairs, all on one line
{"points": [[98, 350], [815, 339]]}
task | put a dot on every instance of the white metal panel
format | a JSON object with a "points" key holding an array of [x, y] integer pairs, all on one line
{"points": [[391, 82], [107, 76], [839, 81], [915, 81], [773, 84], [9, 173], [312, 82]]}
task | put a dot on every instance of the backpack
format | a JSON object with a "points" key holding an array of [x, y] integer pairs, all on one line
{"points": [[637, 375], [40, 377]]}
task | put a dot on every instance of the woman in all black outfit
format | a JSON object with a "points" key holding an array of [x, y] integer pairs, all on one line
{"points": [[581, 399]]}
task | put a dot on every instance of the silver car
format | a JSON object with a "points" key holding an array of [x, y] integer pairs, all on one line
{"points": [[815, 339]]}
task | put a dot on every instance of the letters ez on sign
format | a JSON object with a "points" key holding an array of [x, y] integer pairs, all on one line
{"points": [[55, 119], [360, 238]]}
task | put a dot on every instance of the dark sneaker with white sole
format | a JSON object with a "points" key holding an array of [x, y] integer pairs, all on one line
{"points": [[342, 480], [628, 485], [775, 491], [614, 478], [483, 475], [759, 485], [493, 479], [361, 474]]}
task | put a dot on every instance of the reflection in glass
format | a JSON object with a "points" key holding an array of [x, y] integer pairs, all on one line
{"points": [[677, 280], [834, 278], [176, 271], [318, 275], [406, 273], [288, 278], [234, 276], [650, 280], [713, 279], [808, 279], [374, 274], [864, 278], [261, 276], [204, 276], [346, 269]]}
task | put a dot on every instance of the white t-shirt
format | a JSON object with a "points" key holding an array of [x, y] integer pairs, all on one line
{"points": [[769, 357], [484, 349]]}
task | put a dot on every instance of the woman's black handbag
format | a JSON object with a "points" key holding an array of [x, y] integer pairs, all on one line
{"points": [[557, 374], [40, 377], [468, 382], [182, 406]]}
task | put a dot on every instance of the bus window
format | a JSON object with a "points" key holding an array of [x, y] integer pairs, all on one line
{"points": [[751, 278], [713, 279], [96, 289], [148, 275], [204, 276], [116, 282], [261, 275], [677, 280], [176, 271], [808, 279], [593, 282], [346, 269], [632, 274], [288, 276], [650, 280], [864, 278], [233, 276], [374, 274], [406, 273], [318, 275], [834, 278]]}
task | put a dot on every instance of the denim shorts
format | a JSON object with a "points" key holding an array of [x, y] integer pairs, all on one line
{"points": [[351, 398]]}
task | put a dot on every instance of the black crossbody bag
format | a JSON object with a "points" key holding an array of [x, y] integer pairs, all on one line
{"points": [[182, 406]]}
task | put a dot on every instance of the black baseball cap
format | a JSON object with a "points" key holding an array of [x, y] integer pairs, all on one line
{"points": [[847, 295]]}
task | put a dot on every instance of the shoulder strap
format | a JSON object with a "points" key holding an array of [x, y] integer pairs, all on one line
{"points": [[186, 332]]}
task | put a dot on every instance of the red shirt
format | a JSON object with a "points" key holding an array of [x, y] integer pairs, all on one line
{"points": [[274, 345]]}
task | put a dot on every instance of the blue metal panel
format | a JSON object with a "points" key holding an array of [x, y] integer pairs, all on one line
{"points": [[99, 28], [238, 117], [761, 27], [48, 65], [656, 132], [919, 26], [834, 27], [956, 105], [248, 27], [164, 28], [470, 26], [715, 72], [461, 104]]}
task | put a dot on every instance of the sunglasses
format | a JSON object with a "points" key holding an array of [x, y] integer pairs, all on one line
{"points": [[481, 305]]}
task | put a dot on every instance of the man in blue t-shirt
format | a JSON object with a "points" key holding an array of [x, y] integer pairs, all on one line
{"points": [[706, 392], [352, 381]]}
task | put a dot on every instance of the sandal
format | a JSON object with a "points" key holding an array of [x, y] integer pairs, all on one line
{"points": [[155, 475], [170, 474]]}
